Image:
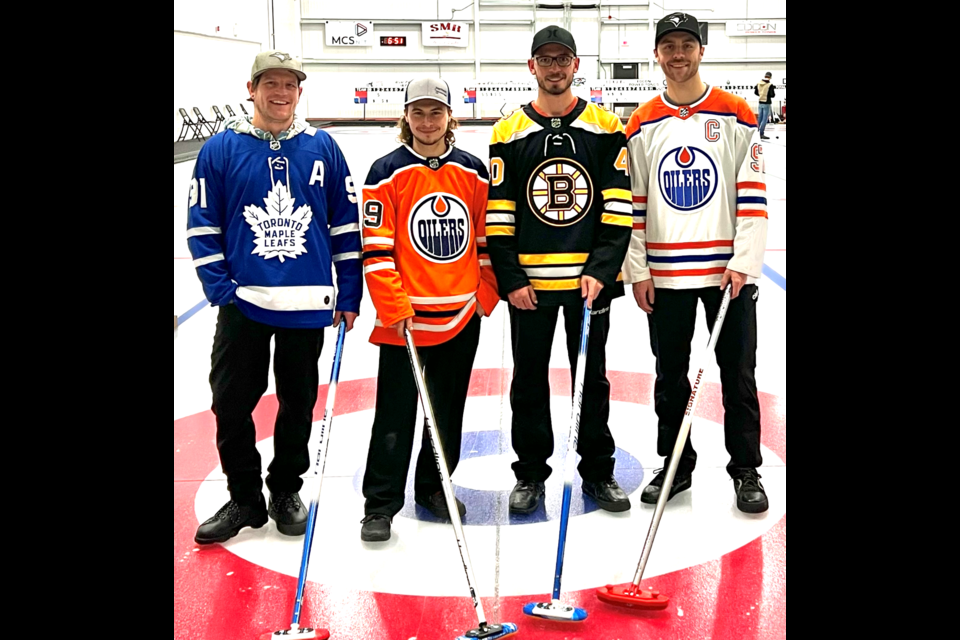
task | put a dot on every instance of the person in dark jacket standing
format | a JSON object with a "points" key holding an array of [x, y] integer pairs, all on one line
{"points": [[764, 89]]}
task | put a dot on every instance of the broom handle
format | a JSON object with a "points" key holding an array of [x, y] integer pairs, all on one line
{"points": [[434, 434], [681, 441], [570, 464], [325, 424]]}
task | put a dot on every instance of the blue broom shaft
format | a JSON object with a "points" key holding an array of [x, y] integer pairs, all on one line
{"points": [[318, 471], [569, 463]]}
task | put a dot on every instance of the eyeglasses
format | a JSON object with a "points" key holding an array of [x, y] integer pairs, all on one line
{"points": [[547, 61]]}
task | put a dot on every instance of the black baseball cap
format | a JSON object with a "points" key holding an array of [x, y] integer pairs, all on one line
{"points": [[678, 22], [553, 35]]}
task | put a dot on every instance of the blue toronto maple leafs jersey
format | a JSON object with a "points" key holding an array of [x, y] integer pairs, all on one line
{"points": [[266, 226]]}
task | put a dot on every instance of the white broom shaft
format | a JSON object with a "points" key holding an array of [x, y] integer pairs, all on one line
{"points": [[444, 476], [681, 440], [570, 463]]}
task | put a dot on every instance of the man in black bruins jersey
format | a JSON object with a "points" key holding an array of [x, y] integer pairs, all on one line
{"points": [[559, 221]]}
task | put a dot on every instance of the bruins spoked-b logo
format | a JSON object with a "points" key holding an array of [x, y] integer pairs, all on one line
{"points": [[560, 192], [440, 227], [687, 178]]}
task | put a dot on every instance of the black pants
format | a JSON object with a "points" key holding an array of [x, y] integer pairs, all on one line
{"points": [[447, 368], [238, 377], [671, 330], [532, 429]]}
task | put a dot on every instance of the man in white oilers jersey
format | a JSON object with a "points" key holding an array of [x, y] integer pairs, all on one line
{"points": [[272, 214], [699, 224]]}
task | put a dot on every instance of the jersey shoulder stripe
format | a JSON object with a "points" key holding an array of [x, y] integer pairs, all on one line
{"points": [[469, 161], [727, 103], [385, 168], [649, 112], [598, 120], [517, 125]]}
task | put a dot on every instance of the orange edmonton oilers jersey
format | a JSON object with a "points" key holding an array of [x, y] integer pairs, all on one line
{"points": [[424, 245]]}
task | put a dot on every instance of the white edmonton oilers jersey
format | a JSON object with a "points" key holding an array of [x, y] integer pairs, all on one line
{"points": [[699, 195]]}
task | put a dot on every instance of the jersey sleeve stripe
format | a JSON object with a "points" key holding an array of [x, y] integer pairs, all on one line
{"points": [[347, 228], [620, 194], [501, 217], [482, 240], [614, 206], [553, 258], [203, 231], [199, 262], [555, 285], [442, 300], [379, 266], [553, 272], [485, 262], [709, 257], [352, 255], [639, 225], [639, 199], [751, 200], [667, 273], [751, 214], [377, 240], [616, 220], [377, 254], [501, 205], [500, 231], [751, 185], [689, 245]]}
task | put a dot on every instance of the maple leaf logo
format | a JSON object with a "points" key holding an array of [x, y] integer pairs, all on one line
{"points": [[280, 230]]}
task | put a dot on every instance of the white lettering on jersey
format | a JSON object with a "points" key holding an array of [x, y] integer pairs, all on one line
{"points": [[280, 230], [351, 190], [317, 174], [202, 190]]}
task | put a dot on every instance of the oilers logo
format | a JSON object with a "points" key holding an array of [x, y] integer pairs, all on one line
{"points": [[440, 227], [560, 192], [688, 178]]}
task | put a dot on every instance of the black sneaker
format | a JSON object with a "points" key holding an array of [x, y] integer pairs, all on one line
{"points": [[751, 498], [436, 504], [525, 497], [228, 521], [289, 513], [608, 495], [764, 137], [376, 528], [651, 492]]}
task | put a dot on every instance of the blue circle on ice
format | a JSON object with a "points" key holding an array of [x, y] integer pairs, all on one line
{"points": [[491, 507]]}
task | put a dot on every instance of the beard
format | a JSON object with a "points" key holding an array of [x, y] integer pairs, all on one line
{"points": [[555, 90], [682, 75], [438, 138]]}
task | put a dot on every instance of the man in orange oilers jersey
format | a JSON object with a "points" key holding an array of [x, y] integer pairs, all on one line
{"points": [[699, 223], [427, 269]]}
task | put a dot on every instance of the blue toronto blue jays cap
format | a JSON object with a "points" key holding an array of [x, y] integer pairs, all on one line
{"points": [[427, 88]]}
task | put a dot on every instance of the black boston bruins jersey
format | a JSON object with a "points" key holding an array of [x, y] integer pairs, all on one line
{"points": [[560, 204]]}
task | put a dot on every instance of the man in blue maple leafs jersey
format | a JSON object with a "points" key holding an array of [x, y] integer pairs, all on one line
{"points": [[273, 211]]}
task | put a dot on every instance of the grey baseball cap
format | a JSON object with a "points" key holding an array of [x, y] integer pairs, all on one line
{"points": [[267, 60], [427, 88]]}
